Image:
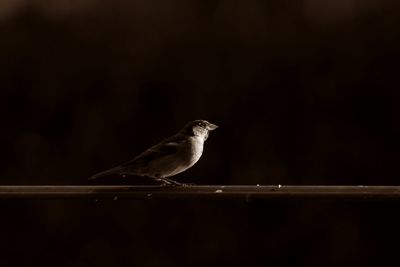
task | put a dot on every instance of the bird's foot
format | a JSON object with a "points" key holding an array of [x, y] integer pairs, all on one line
{"points": [[187, 184], [181, 184], [169, 182], [173, 184]]}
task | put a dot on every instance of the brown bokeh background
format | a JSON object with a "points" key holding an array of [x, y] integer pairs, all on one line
{"points": [[305, 92]]}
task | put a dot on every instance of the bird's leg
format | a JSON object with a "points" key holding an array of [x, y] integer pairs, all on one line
{"points": [[169, 182], [175, 183], [164, 182], [188, 184]]}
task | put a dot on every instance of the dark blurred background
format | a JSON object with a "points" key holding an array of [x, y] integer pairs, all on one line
{"points": [[304, 92]]}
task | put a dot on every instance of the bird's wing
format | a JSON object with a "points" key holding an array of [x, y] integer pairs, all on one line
{"points": [[165, 148]]}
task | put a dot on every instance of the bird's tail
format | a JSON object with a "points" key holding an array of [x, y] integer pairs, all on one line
{"points": [[104, 173]]}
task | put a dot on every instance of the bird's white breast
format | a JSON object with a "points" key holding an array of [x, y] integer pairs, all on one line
{"points": [[188, 154], [196, 148]]}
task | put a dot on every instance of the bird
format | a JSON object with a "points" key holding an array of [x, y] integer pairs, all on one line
{"points": [[170, 157]]}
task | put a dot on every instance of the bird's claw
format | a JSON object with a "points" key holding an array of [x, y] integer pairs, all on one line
{"points": [[187, 184], [167, 184], [176, 184]]}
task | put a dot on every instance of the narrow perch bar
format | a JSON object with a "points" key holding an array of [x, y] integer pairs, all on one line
{"points": [[198, 191]]}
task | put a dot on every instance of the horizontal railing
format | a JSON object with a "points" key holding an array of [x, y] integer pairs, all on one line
{"points": [[199, 191]]}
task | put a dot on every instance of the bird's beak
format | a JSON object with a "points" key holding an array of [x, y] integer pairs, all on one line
{"points": [[211, 127]]}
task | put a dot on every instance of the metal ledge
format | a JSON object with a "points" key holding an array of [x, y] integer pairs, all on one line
{"points": [[199, 191]]}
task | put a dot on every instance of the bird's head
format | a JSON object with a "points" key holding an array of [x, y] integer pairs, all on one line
{"points": [[199, 128]]}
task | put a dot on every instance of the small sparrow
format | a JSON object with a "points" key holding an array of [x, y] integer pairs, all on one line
{"points": [[174, 155]]}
